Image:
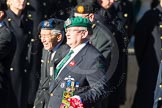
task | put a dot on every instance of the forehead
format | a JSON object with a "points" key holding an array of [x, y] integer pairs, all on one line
{"points": [[73, 28], [80, 15], [45, 31]]}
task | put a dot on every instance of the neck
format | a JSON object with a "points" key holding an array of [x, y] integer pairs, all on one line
{"points": [[16, 11]]}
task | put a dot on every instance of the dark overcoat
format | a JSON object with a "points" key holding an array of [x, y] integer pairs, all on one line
{"points": [[47, 69], [21, 27], [115, 24], [147, 50], [7, 50], [88, 69]]}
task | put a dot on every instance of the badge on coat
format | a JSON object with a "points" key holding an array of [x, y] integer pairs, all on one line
{"points": [[72, 63], [51, 71], [70, 86]]}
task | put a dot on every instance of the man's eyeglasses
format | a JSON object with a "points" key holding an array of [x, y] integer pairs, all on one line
{"points": [[45, 36], [78, 31]]}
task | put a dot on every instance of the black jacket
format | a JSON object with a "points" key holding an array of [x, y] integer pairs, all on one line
{"points": [[7, 50]]}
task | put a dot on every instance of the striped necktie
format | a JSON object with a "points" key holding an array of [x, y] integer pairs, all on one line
{"points": [[60, 65]]}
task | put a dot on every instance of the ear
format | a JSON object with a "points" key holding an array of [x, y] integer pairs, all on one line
{"points": [[1, 15], [91, 17], [84, 34], [59, 37]]}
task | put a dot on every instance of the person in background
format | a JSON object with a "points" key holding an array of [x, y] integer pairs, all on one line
{"points": [[112, 20], [125, 11], [7, 50], [21, 24], [52, 38], [147, 49], [102, 38], [158, 88], [35, 15]]}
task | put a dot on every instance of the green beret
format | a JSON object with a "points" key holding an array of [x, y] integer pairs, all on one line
{"points": [[78, 22]]}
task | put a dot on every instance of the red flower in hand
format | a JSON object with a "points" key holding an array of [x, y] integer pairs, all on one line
{"points": [[75, 103]]}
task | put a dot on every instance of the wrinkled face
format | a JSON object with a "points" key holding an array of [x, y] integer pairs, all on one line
{"points": [[16, 4], [49, 40], [105, 3], [75, 36]]}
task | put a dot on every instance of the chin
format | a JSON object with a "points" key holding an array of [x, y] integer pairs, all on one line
{"points": [[68, 43], [46, 48]]}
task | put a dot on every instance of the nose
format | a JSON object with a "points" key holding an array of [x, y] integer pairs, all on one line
{"points": [[43, 40], [67, 33]]}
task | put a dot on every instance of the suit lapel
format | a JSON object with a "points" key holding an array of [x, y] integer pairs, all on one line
{"points": [[44, 65], [70, 66], [60, 53]]}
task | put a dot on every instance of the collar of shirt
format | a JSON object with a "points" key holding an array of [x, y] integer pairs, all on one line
{"points": [[56, 47], [76, 51], [59, 44], [53, 51], [78, 48]]}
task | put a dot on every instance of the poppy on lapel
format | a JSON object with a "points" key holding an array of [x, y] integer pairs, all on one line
{"points": [[72, 63]]}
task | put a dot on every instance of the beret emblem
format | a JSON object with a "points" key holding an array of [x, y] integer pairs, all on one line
{"points": [[46, 24], [68, 22], [80, 9]]}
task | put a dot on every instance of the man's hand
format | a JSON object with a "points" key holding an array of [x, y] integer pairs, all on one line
{"points": [[75, 102]]}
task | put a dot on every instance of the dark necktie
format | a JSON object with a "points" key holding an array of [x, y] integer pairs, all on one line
{"points": [[49, 56], [48, 62], [60, 65]]}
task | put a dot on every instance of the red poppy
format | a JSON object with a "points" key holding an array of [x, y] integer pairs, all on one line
{"points": [[72, 63]]}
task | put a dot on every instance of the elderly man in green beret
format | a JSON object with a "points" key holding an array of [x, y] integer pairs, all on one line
{"points": [[80, 75]]}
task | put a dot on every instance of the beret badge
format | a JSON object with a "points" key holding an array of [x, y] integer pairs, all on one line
{"points": [[80, 9], [68, 22], [46, 24]]}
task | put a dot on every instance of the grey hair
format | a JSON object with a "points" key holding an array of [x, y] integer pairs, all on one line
{"points": [[90, 31], [56, 32]]}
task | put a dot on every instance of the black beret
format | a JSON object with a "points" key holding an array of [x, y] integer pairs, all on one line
{"points": [[86, 7], [51, 24]]}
